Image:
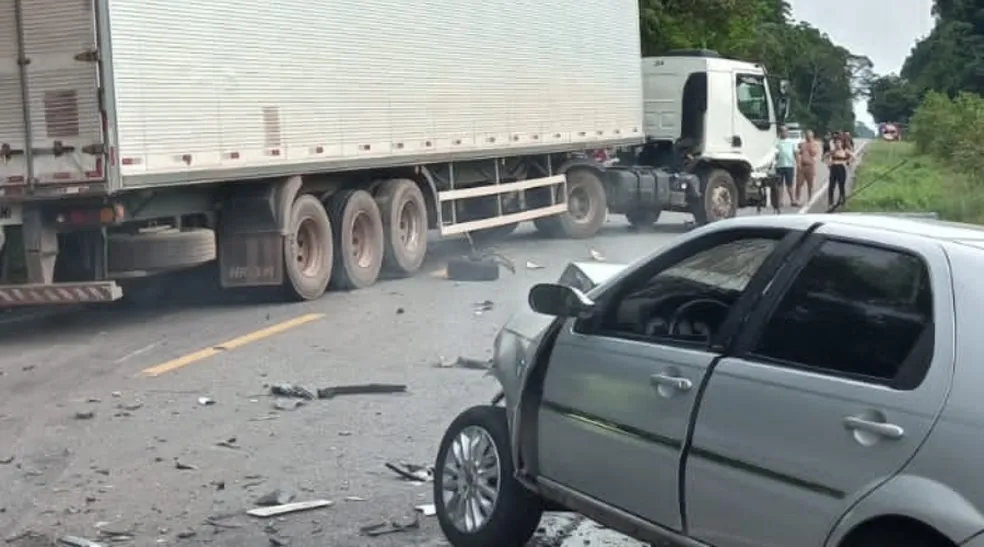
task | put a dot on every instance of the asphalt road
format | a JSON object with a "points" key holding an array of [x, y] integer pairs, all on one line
{"points": [[106, 434]]}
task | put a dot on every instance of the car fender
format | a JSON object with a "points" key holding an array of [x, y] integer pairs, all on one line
{"points": [[930, 502]]}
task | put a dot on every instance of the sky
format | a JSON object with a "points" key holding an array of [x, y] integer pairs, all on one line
{"points": [[883, 30]]}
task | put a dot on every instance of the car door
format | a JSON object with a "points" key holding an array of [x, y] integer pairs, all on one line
{"points": [[619, 387], [833, 386], [753, 119]]}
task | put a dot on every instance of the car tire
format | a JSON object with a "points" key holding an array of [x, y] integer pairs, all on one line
{"points": [[642, 218], [404, 213], [897, 535], [515, 511], [472, 269], [358, 228], [719, 198], [309, 251], [585, 186]]}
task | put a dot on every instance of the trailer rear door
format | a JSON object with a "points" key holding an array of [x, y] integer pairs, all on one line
{"points": [[51, 123]]}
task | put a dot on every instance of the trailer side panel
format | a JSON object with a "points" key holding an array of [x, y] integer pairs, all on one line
{"points": [[232, 89]]}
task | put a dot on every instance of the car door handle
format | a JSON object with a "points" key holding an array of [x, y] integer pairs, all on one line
{"points": [[889, 431], [675, 382]]}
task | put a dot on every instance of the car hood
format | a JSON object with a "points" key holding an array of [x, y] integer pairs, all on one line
{"points": [[584, 276]]}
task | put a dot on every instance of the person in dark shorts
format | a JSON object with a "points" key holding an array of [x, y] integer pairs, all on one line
{"points": [[787, 156]]}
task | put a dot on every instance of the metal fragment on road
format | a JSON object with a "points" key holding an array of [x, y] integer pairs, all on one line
{"points": [[361, 389], [412, 472], [75, 541], [292, 390], [266, 512]]}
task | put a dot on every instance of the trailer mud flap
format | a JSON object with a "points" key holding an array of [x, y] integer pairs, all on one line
{"points": [[251, 259]]}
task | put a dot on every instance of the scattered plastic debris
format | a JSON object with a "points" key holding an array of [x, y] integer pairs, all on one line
{"points": [[412, 472], [206, 401], [78, 542], [428, 509], [5, 460], [178, 464], [392, 527], [85, 415], [481, 307], [464, 362], [533, 266], [597, 256], [293, 390], [276, 497], [287, 404], [276, 510], [360, 389]]}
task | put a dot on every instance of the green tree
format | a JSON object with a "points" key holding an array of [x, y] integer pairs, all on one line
{"points": [[892, 99]]}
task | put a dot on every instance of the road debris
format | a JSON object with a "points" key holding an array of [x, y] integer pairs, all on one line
{"points": [[6, 460], [276, 497], [597, 256], [186, 534], [129, 407], [293, 391], [279, 541], [206, 401], [481, 307], [178, 464], [392, 527], [533, 266], [428, 509], [78, 542], [354, 498], [85, 415], [287, 404], [360, 389], [464, 362], [231, 442], [412, 472], [276, 510]]}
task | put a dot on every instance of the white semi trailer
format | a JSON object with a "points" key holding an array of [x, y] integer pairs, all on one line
{"points": [[302, 143]]}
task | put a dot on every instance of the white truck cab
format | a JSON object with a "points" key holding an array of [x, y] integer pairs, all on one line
{"points": [[711, 127]]}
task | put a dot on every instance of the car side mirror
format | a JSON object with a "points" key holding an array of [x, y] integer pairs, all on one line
{"points": [[560, 301]]}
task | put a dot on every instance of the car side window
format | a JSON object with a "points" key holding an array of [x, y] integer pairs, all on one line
{"points": [[753, 99], [856, 310], [689, 300]]}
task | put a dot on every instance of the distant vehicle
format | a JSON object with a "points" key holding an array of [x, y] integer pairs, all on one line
{"points": [[782, 380]]}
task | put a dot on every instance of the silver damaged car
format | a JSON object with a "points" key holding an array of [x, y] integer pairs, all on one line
{"points": [[780, 381]]}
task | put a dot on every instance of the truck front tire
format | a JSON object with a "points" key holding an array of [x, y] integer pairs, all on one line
{"points": [[587, 207], [719, 198], [359, 247], [404, 215], [308, 254]]}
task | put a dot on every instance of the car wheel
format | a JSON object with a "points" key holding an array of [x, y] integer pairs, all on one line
{"points": [[719, 198], [479, 502]]}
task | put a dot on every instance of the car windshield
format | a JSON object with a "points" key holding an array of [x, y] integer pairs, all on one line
{"points": [[729, 267]]}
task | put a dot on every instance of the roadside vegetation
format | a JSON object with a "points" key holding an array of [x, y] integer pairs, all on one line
{"points": [[939, 168]]}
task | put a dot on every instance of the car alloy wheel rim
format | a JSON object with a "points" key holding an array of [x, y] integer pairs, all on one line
{"points": [[470, 479]]}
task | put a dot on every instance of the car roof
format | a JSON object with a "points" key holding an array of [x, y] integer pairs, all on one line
{"points": [[957, 232]]}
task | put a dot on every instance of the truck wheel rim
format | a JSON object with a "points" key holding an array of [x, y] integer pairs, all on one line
{"points": [[579, 204], [308, 248], [363, 239], [721, 202], [409, 225], [470, 479]]}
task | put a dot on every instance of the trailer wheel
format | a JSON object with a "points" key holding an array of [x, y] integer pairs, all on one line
{"points": [[404, 214], [359, 247], [719, 198], [308, 254], [167, 249], [587, 207]]}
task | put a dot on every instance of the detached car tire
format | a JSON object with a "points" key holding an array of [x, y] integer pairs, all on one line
{"points": [[474, 476], [164, 250]]}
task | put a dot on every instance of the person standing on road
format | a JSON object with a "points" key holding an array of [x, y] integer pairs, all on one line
{"points": [[840, 158], [806, 171], [787, 156]]}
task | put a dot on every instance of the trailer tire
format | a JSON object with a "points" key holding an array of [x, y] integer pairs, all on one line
{"points": [[404, 214], [719, 198], [359, 248], [164, 250], [309, 251], [587, 207], [472, 269]]}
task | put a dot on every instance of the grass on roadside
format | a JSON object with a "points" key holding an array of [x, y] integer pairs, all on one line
{"points": [[921, 184]]}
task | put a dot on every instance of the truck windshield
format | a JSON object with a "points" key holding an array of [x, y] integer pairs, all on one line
{"points": [[753, 98]]}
